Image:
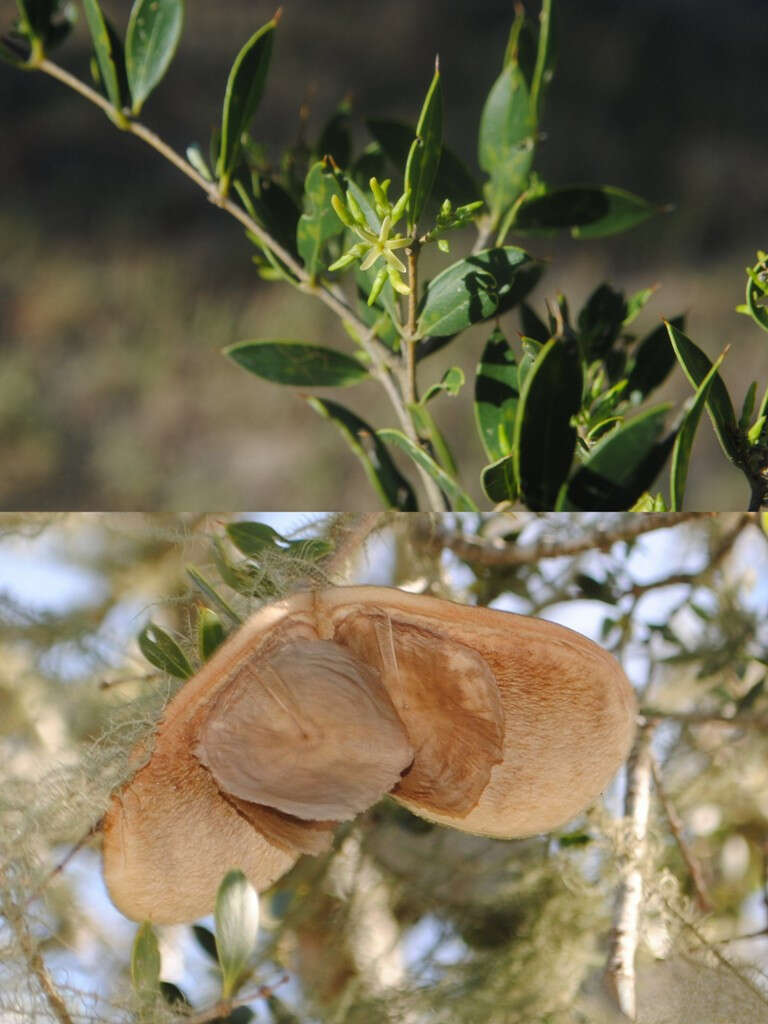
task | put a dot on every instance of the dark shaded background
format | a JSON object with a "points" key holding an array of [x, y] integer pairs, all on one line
{"points": [[119, 283]]}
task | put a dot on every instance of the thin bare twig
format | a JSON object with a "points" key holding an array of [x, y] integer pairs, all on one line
{"points": [[676, 828], [58, 868], [620, 968], [479, 551], [706, 717], [14, 915]]}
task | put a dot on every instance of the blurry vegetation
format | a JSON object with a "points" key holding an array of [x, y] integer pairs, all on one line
{"points": [[403, 920], [121, 287]]}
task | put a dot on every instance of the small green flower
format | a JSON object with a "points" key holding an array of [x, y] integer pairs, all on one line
{"points": [[375, 245]]}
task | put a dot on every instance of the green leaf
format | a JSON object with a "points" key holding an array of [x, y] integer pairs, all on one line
{"points": [[45, 23], [251, 537], [237, 929], [145, 963], [460, 499], [162, 651], [210, 633], [696, 365], [245, 87], [206, 940], [588, 211], [500, 481], [319, 222], [109, 54], [622, 466], [748, 406], [544, 439], [213, 595], [452, 382], [681, 453], [532, 326], [424, 155], [154, 29], [497, 394], [506, 139], [601, 320], [637, 302], [391, 486], [452, 181], [473, 289], [297, 363], [545, 59], [653, 361], [429, 431], [173, 995]]}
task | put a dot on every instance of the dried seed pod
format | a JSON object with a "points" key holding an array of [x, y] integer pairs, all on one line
{"points": [[496, 724]]}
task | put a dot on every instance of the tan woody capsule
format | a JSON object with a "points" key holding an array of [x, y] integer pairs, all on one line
{"points": [[493, 723]]}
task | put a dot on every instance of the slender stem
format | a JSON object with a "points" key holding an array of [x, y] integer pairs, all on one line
{"points": [[411, 393], [383, 363]]}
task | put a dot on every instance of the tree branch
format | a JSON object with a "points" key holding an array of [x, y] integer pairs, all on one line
{"points": [[479, 551], [620, 969], [383, 363]]}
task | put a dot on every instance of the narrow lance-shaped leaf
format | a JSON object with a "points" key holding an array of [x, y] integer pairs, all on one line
{"points": [[545, 58], [497, 393], [600, 320], [681, 453], [319, 221], [154, 29], [108, 51], [162, 651], [622, 466], [145, 963], [424, 156], [452, 181], [245, 87], [210, 633], [587, 211], [213, 595], [544, 439], [391, 486], [506, 137], [696, 365], [451, 488], [237, 929], [296, 363], [654, 358], [428, 430]]}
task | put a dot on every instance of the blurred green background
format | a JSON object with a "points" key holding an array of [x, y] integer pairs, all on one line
{"points": [[119, 283]]}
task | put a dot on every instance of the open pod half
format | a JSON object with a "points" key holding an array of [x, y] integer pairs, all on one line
{"points": [[493, 723]]}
